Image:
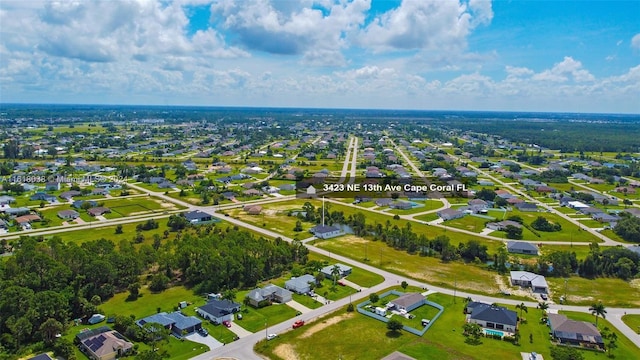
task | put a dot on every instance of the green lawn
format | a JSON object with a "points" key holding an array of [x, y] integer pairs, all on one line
{"points": [[427, 217], [336, 292], [429, 269], [444, 340], [364, 278], [275, 219], [632, 321], [568, 233], [149, 302], [307, 301], [108, 232], [254, 319], [147, 305], [470, 223], [580, 291]]}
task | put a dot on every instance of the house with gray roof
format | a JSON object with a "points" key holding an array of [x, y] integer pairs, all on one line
{"points": [[343, 270], [178, 323], [326, 231], [522, 247], [576, 333], [450, 214], [300, 284], [269, 293], [408, 301], [527, 279]]}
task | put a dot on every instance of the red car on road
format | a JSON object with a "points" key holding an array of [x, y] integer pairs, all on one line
{"points": [[298, 323]]}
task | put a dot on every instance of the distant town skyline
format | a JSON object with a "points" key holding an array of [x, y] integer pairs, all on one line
{"points": [[546, 56]]}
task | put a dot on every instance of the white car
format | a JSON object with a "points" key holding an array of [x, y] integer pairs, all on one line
{"points": [[271, 336]]}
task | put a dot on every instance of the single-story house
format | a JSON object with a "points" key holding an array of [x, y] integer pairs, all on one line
{"points": [[252, 192], [100, 191], [450, 214], [218, 310], [178, 323], [502, 225], [300, 284], [197, 216], [16, 211], [343, 270], [603, 217], [97, 211], [26, 219], [492, 317], [525, 206], [401, 205], [78, 203], [522, 247], [409, 301], [69, 194], [527, 279], [104, 344], [271, 293], [6, 200], [68, 214], [40, 196], [572, 332], [253, 209], [52, 186], [325, 231]]}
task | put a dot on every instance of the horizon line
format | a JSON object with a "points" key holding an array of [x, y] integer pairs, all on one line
{"points": [[310, 108]]}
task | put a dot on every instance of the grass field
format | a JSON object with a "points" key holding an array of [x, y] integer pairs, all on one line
{"points": [[470, 223], [464, 276], [581, 291], [254, 319], [325, 339], [632, 321]]}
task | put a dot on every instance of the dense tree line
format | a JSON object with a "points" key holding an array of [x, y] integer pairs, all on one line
{"points": [[628, 228], [45, 285]]}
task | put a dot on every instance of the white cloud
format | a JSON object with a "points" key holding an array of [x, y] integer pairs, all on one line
{"points": [[292, 28], [426, 24], [635, 41], [564, 70]]}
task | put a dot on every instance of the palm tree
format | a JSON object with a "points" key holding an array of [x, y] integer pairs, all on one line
{"points": [[335, 273], [543, 306], [522, 307], [598, 310]]}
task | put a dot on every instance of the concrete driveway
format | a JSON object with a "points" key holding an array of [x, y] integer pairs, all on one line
{"points": [[208, 340]]}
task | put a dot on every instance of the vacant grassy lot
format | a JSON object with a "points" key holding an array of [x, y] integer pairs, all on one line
{"points": [[364, 278], [466, 277], [275, 217], [632, 321], [255, 319], [470, 223], [581, 291]]}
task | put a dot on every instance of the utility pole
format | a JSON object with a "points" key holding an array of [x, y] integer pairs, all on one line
{"points": [[565, 290]]}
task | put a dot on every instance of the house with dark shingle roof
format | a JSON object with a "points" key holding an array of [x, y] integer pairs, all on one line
{"points": [[68, 214], [577, 333], [492, 317], [218, 310]]}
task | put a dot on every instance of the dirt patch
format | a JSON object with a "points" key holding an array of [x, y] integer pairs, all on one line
{"points": [[352, 239], [325, 323], [286, 351], [635, 283]]}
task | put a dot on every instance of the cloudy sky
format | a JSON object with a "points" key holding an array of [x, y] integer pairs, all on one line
{"points": [[581, 56]]}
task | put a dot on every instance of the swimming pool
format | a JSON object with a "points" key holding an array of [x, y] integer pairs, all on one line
{"points": [[493, 332]]}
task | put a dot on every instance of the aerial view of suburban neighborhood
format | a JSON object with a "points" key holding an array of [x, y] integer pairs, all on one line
{"points": [[323, 209]]}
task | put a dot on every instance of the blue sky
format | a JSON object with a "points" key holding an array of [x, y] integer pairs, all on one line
{"points": [[574, 56]]}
